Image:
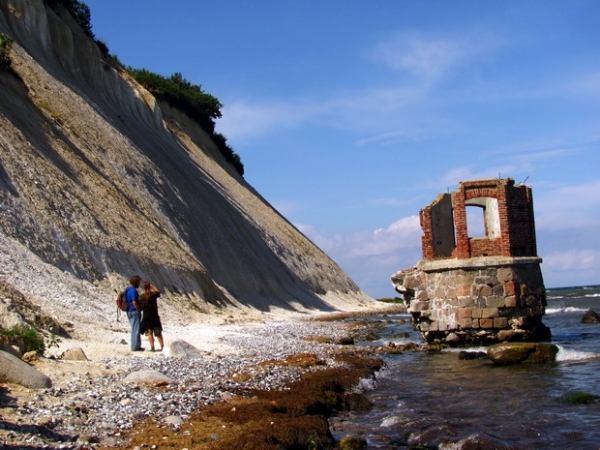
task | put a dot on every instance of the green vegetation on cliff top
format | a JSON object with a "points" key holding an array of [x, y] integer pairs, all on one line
{"points": [[200, 106], [192, 100]]}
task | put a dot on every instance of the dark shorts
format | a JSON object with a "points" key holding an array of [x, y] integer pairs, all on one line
{"points": [[156, 331]]}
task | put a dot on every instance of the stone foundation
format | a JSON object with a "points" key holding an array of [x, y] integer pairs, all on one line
{"points": [[476, 301]]}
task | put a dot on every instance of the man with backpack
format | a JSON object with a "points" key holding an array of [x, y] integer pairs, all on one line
{"points": [[134, 312]]}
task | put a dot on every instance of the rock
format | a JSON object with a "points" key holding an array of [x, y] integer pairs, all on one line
{"points": [[353, 443], [371, 336], [226, 397], [183, 349], [30, 357], [590, 317], [402, 335], [465, 355], [348, 340], [508, 353], [433, 348], [152, 377], [578, 398], [13, 370], [74, 354], [452, 338], [89, 439], [12, 349], [175, 421], [9, 317]]}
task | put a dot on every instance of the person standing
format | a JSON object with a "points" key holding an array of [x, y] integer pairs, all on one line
{"points": [[151, 325], [134, 312]]}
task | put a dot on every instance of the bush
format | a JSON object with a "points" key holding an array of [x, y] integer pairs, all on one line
{"points": [[230, 156], [5, 46], [193, 101], [102, 46], [82, 15], [182, 94], [79, 11], [31, 339]]}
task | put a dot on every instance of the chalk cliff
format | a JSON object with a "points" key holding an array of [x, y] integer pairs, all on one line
{"points": [[99, 181]]}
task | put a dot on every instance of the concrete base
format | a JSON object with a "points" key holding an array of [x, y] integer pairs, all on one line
{"points": [[476, 301]]}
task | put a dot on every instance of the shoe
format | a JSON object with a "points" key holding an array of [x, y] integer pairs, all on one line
{"points": [[141, 349], [152, 350], [159, 350]]}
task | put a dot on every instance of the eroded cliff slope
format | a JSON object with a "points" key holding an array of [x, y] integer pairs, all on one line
{"points": [[98, 181]]}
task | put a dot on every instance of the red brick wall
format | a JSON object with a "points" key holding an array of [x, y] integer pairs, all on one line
{"points": [[485, 247], [515, 211]]}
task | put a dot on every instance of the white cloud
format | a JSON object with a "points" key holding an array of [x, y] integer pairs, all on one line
{"points": [[402, 234], [568, 207], [394, 137], [586, 84], [577, 196], [574, 259], [455, 175], [391, 201], [424, 57], [242, 118], [370, 258], [373, 109], [534, 152]]}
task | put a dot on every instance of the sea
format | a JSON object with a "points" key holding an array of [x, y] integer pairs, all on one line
{"points": [[438, 401]]}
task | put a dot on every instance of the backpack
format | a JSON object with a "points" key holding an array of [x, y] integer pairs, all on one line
{"points": [[122, 301]]}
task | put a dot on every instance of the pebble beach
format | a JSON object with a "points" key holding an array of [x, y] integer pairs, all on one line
{"points": [[96, 403]]}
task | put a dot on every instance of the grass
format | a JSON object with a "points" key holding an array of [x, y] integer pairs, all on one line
{"points": [[54, 114], [26, 337]]}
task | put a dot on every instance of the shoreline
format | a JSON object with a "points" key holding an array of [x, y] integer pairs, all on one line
{"points": [[90, 406]]}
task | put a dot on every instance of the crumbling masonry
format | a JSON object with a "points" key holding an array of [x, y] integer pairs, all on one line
{"points": [[477, 290]]}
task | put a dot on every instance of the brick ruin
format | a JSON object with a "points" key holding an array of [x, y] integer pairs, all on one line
{"points": [[477, 290]]}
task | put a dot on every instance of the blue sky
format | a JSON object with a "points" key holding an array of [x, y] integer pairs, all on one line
{"points": [[350, 116]]}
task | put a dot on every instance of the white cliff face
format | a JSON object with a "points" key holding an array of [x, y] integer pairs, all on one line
{"points": [[99, 181]]}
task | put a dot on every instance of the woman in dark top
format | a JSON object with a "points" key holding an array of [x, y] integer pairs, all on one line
{"points": [[151, 325]]}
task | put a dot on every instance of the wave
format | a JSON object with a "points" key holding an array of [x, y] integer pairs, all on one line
{"points": [[390, 421], [567, 354], [565, 309], [465, 349], [365, 384], [597, 294]]}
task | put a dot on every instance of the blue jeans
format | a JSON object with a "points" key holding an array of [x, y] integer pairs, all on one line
{"points": [[134, 320]]}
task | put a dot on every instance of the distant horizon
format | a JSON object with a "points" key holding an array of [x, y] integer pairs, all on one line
{"points": [[582, 287]]}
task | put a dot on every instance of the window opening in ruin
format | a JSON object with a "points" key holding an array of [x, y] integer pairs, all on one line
{"points": [[476, 221], [483, 218]]}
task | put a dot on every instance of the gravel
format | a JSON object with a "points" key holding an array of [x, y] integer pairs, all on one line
{"points": [[86, 412]]}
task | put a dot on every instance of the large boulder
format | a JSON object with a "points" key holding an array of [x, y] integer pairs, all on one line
{"points": [[508, 353], [590, 317], [74, 354], [150, 377], [13, 370], [183, 349], [12, 349]]}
